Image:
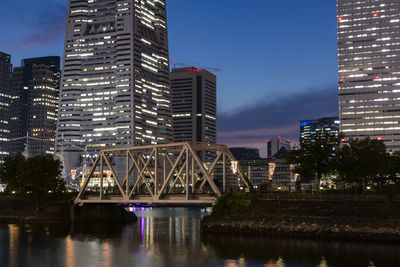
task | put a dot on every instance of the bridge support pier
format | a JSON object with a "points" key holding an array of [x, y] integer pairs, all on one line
{"points": [[101, 212]]}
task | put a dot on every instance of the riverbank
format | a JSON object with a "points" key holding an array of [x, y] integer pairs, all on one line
{"points": [[14, 210], [352, 218]]}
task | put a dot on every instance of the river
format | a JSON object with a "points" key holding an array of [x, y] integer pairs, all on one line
{"points": [[171, 237]]}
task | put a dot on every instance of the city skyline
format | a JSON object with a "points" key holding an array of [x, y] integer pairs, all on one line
{"points": [[289, 83]]}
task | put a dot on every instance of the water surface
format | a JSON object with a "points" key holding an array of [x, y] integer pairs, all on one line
{"points": [[171, 237]]}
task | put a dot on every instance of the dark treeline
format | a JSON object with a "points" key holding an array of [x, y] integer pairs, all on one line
{"points": [[35, 179], [361, 164]]}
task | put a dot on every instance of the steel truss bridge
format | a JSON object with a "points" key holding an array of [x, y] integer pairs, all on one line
{"points": [[178, 173]]}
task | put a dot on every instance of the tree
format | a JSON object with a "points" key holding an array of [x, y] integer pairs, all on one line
{"points": [[314, 158], [36, 179], [8, 170], [394, 168], [363, 161]]}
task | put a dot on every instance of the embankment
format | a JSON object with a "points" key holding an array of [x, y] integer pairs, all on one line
{"points": [[17, 210], [345, 217]]}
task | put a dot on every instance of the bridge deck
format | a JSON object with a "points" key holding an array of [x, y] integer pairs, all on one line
{"points": [[174, 199]]}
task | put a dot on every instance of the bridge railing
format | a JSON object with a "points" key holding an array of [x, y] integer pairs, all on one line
{"points": [[178, 172]]}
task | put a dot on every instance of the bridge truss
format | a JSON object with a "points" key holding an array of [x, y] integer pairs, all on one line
{"points": [[178, 173]]}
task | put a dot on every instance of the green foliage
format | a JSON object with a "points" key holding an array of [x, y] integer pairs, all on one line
{"points": [[8, 170], [362, 161], [231, 206], [315, 159], [358, 163], [36, 179], [265, 187]]}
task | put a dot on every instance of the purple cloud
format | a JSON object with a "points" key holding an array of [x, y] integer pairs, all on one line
{"points": [[253, 125]]}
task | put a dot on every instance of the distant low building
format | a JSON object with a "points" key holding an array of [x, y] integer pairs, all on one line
{"points": [[283, 177], [275, 144], [273, 170], [241, 153]]}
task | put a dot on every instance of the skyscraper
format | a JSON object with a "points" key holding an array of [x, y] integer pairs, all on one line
{"points": [[369, 69], [115, 84], [309, 129], [34, 104], [194, 105], [5, 101]]}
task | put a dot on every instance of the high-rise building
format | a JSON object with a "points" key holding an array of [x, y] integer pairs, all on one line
{"points": [[5, 103], [310, 129], [275, 144], [194, 105], [115, 85], [34, 105], [369, 69]]}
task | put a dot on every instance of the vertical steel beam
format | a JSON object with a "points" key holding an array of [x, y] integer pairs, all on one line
{"points": [[165, 167], [187, 173], [156, 172], [101, 176], [193, 176], [223, 173], [127, 169]]}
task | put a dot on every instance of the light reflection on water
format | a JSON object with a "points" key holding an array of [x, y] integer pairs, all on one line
{"points": [[171, 237]]}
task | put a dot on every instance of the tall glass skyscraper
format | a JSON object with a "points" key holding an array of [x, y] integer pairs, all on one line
{"points": [[34, 101], [115, 88], [5, 104], [369, 69]]}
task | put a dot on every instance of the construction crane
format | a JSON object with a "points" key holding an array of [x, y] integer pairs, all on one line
{"points": [[200, 67]]}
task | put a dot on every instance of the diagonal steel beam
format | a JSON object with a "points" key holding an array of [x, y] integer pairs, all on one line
{"points": [[179, 174], [240, 171], [140, 172], [205, 172], [114, 176], [171, 172], [176, 171], [89, 176]]}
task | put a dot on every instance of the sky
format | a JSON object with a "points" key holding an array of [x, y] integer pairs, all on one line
{"points": [[278, 59]]}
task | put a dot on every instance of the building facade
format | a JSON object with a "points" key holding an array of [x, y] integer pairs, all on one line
{"points": [[241, 153], [310, 129], [5, 104], [34, 105], [369, 69], [275, 144], [194, 105], [274, 171], [115, 87]]}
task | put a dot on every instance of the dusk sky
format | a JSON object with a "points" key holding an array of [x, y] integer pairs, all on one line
{"points": [[278, 58]]}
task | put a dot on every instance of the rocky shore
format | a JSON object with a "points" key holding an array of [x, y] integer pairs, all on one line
{"points": [[353, 219], [304, 230]]}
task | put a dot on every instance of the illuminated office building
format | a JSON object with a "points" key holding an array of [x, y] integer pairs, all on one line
{"points": [[5, 101], [34, 103], [194, 105], [312, 129], [115, 85], [369, 69]]}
